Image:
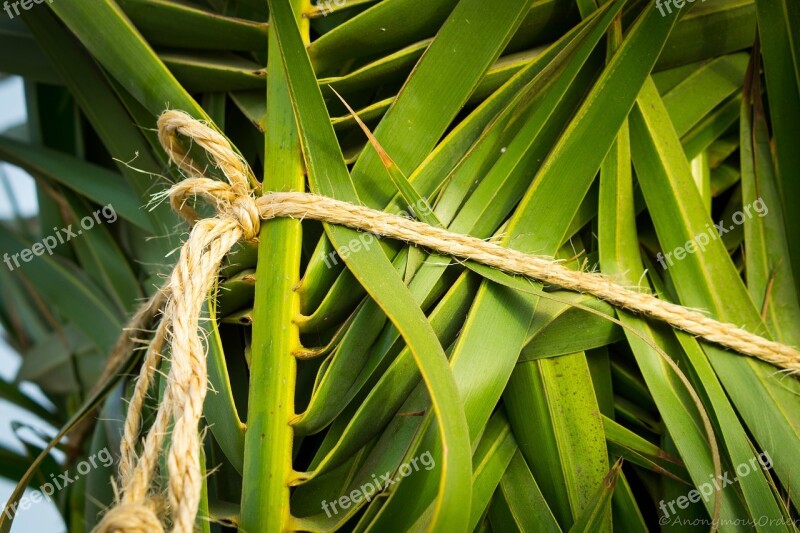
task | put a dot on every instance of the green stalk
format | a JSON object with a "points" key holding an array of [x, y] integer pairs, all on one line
{"points": [[268, 440]]}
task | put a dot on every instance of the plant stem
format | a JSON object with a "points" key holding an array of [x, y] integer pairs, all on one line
{"points": [[268, 441]]}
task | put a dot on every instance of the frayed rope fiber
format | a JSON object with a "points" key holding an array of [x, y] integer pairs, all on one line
{"points": [[139, 507]]}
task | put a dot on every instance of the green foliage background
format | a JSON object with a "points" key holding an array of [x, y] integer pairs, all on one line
{"points": [[600, 133]]}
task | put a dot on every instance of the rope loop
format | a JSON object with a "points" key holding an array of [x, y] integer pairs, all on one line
{"points": [[130, 518], [232, 200]]}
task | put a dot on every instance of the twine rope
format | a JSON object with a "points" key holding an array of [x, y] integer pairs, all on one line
{"points": [[239, 216], [138, 510]]}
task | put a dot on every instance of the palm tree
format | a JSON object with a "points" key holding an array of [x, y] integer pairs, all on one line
{"points": [[650, 141]]}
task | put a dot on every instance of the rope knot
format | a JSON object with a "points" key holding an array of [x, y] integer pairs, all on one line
{"points": [[245, 211], [232, 202], [234, 199]]}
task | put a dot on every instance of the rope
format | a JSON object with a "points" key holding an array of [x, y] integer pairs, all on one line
{"points": [[238, 217], [194, 275], [304, 205]]}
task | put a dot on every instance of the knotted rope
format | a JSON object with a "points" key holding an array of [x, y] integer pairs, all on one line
{"points": [[238, 217], [194, 275]]}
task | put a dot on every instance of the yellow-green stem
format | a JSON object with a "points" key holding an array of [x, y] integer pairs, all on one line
{"points": [[268, 441]]}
